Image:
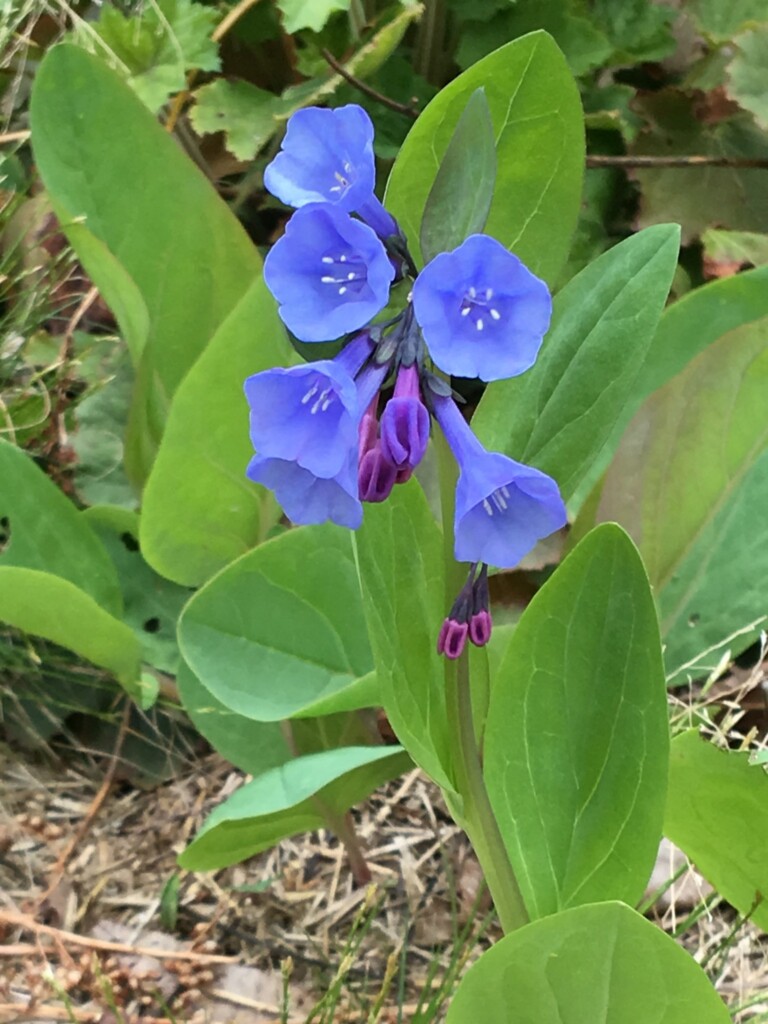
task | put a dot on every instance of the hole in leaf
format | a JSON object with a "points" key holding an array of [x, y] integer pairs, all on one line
{"points": [[5, 532], [152, 625], [694, 619], [130, 541]]}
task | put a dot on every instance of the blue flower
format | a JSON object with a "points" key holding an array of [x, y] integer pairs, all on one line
{"points": [[329, 273], [326, 157], [405, 422], [306, 498], [309, 414], [482, 312], [502, 507]]}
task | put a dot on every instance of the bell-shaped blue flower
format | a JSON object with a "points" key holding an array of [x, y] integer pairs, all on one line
{"points": [[306, 498], [309, 414], [405, 422], [329, 273], [481, 311], [503, 508], [327, 157]]}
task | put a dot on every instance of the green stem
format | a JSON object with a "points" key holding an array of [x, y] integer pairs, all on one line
{"points": [[479, 820]]}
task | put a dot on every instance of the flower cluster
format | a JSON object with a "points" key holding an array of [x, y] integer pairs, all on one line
{"points": [[325, 439]]}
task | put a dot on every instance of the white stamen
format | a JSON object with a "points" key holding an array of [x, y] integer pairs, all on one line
{"points": [[487, 506], [326, 403], [489, 293], [505, 491], [350, 276], [342, 258], [347, 166], [326, 279], [465, 311], [343, 289], [495, 314], [323, 401], [312, 391], [499, 501], [335, 188], [327, 259], [479, 323], [472, 292]]}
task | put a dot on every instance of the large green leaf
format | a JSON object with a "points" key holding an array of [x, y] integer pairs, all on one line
{"points": [[44, 531], [559, 415], [688, 483], [539, 132], [599, 964], [104, 158], [746, 72], [400, 557], [281, 630], [685, 329], [461, 195], [717, 812], [54, 608], [577, 741], [199, 510], [295, 797]]}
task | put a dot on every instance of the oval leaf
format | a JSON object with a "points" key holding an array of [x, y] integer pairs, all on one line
{"points": [[717, 812], [602, 964], [296, 797], [538, 124], [577, 741], [282, 630], [690, 472]]}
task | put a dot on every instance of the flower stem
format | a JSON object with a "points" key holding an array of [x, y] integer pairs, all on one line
{"points": [[477, 813]]}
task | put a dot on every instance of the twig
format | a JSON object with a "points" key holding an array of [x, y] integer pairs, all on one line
{"points": [[21, 136], [33, 1011], [84, 305], [28, 923], [81, 831], [599, 160], [401, 108]]}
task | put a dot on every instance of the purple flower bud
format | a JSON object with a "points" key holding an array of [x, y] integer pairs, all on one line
{"points": [[502, 507], [376, 475], [405, 422], [308, 414], [482, 312], [480, 626], [329, 273], [452, 639], [307, 498]]}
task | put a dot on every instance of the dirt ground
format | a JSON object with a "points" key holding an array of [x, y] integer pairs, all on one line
{"points": [[89, 888]]}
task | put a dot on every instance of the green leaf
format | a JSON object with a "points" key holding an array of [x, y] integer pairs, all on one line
{"points": [[44, 531], [53, 607], [152, 605], [689, 475], [722, 21], [539, 132], [602, 964], [400, 556], [295, 797], [104, 158], [153, 50], [312, 14], [282, 628], [461, 195], [245, 112], [717, 813], [739, 248], [200, 511], [732, 198], [559, 415], [639, 31], [746, 72], [577, 740], [253, 747]]}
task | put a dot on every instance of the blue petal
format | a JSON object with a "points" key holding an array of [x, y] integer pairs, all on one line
{"points": [[307, 499]]}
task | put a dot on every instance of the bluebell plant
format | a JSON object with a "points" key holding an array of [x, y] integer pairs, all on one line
{"points": [[326, 439]]}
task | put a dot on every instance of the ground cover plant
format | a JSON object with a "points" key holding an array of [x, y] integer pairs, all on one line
{"points": [[301, 480]]}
